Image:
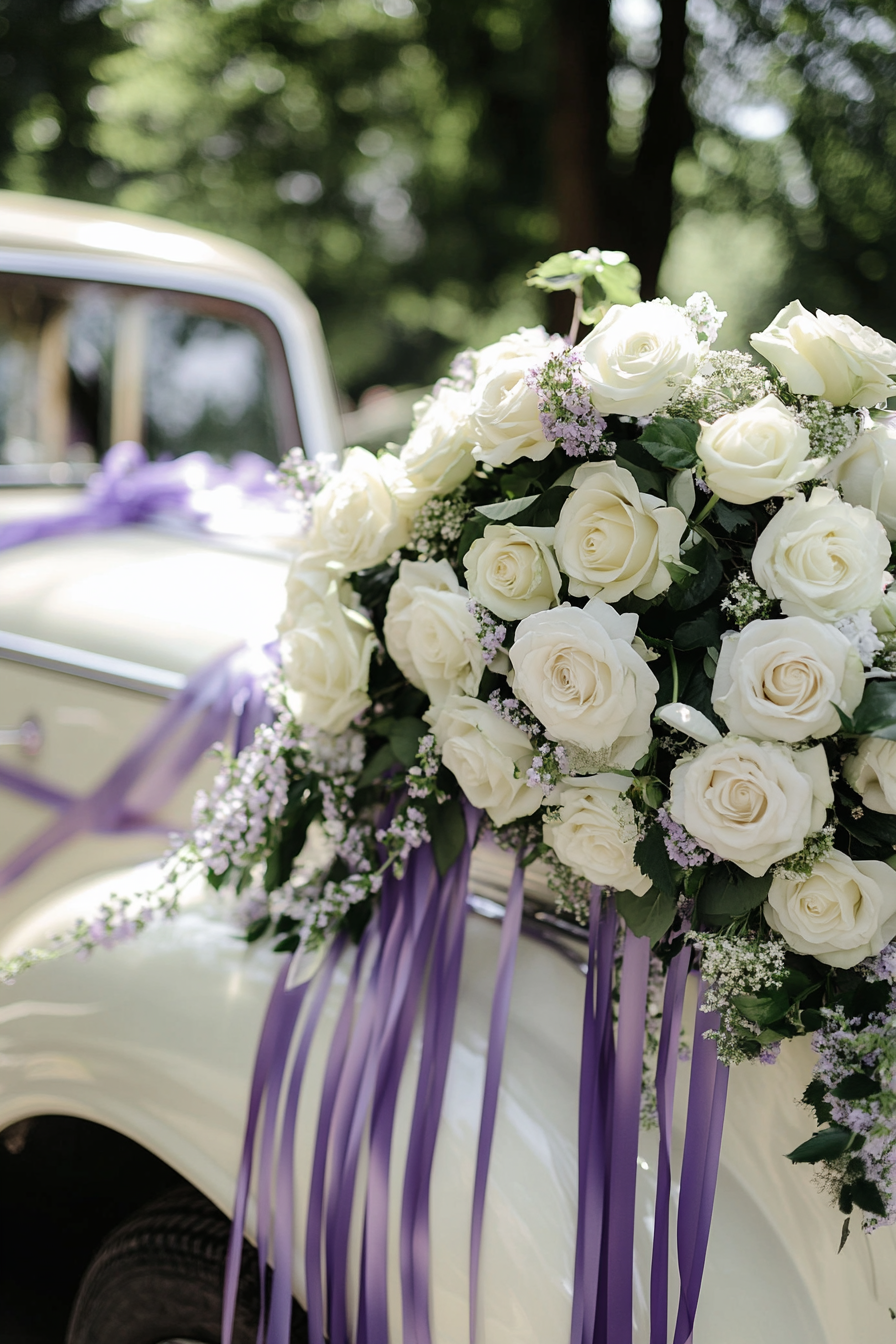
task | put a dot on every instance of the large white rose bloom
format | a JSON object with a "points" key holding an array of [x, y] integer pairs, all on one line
{"points": [[326, 662], [356, 518], [309, 580], [821, 557], [506, 421], [438, 456], [487, 756], [635, 357], [866, 473], [613, 540], [532, 344], [828, 356], [595, 834], [872, 773], [430, 634], [512, 571], [756, 452], [845, 911], [752, 802], [782, 679], [577, 671]]}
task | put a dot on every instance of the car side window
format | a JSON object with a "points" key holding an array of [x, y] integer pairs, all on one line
{"points": [[85, 365]]}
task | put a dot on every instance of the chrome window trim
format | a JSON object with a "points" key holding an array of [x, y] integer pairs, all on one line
{"points": [[129, 676], [306, 359]]}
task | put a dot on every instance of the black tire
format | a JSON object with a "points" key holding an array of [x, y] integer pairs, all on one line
{"points": [[160, 1277]]}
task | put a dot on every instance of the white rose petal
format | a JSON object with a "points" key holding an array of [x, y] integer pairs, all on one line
{"points": [[595, 835], [577, 671], [326, 661], [781, 679], [356, 518], [430, 634], [635, 356], [533, 344], [756, 452], [845, 911], [487, 756], [506, 421], [613, 540], [866, 473], [751, 802], [438, 456], [309, 580], [828, 356], [688, 720], [822, 557], [872, 773], [512, 571]]}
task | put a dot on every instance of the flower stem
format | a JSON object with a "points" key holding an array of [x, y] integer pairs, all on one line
{"points": [[706, 510], [576, 319], [674, 674]]}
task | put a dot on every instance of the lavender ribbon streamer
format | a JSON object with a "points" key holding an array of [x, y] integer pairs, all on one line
{"points": [[624, 1140], [131, 489], [667, 1060], [699, 1168], [157, 764], [510, 932], [438, 1031], [595, 1116]]}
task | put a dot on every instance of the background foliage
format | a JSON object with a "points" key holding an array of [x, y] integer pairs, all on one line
{"points": [[407, 162]]}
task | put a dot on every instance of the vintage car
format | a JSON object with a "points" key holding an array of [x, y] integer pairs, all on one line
{"points": [[124, 1078]]}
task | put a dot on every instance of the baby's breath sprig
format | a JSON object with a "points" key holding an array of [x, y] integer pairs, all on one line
{"points": [[549, 763], [745, 601], [800, 866], [733, 965], [422, 776], [437, 527]]}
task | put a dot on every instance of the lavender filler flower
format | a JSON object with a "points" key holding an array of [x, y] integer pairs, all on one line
{"points": [[567, 415]]}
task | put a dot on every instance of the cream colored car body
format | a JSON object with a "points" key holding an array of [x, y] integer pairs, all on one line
{"points": [[156, 1039]]}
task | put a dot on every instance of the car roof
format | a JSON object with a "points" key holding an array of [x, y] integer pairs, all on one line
{"points": [[48, 224]]}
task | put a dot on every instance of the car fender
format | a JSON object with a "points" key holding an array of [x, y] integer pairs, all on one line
{"points": [[156, 1039]]}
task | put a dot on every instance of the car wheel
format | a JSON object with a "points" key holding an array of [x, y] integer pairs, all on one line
{"points": [[159, 1277]]}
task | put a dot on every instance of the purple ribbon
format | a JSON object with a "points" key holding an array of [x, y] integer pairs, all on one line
{"points": [[699, 1167], [131, 489], [667, 1060], [497, 1035], [154, 768]]}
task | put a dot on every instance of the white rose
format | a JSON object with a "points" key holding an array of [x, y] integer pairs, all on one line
{"points": [[632, 354], [429, 632], [356, 518], [828, 356], [506, 421], [752, 802], [308, 580], [845, 911], [511, 570], [532, 344], [326, 661], [822, 557], [754, 453], [438, 456], [872, 773], [613, 540], [595, 835], [577, 671], [883, 617], [866, 473], [782, 679], [487, 756]]}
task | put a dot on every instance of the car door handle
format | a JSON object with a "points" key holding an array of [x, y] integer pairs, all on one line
{"points": [[28, 737]]}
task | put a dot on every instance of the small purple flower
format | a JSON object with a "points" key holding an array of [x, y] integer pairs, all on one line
{"points": [[567, 415]]}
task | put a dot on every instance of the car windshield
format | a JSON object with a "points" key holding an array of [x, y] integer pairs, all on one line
{"points": [[86, 365]]}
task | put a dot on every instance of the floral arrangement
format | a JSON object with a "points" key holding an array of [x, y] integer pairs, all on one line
{"points": [[628, 596]]}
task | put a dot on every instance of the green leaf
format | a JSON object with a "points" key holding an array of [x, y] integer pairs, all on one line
{"points": [[722, 898], [448, 829], [824, 1146], [545, 511], [378, 763], [764, 1008], [855, 1087], [876, 713], [865, 1195], [567, 476], [649, 481], [603, 278], [505, 508], [404, 738], [815, 1096], [708, 564], [671, 441], [652, 858], [699, 633], [730, 518], [472, 530], [648, 916], [288, 944]]}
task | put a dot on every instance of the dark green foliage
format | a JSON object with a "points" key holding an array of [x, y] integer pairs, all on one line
{"points": [[699, 587], [824, 1146], [447, 826], [671, 441], [648, 916], [728, 892]]}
